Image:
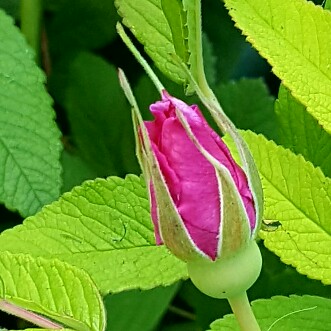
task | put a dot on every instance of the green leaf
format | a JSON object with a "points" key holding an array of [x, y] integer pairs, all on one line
{"points": [[249, 105], [103, 227], [100, 121], [327, 5], [29, 139], [54, 289], [75, 170], [301, 133], [298, 196], [209, 59], [298, 48], [138, 310], [84, 24], [148, 23], [230, 46], [281, 313], [39, 329], [11, 7]]}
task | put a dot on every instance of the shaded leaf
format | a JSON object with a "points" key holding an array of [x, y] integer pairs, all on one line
{"points": [[210, 60], [82, 24], [99, 118], [249, 104], [75, 170], [29, 139], [142, 309], [230, 46], [11, 7], [301, 133]]}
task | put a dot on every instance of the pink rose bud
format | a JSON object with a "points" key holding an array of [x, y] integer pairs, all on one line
{"points": [[201, 203]]}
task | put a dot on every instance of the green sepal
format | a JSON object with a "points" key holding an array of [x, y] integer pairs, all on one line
{"points": [[235, 229]]}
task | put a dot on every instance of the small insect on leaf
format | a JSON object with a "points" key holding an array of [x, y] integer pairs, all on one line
{"points": [[270, 225]]}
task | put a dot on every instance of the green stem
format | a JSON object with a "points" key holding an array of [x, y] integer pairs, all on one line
{"points": [[31, 13], [243, 312], [201, 76]]}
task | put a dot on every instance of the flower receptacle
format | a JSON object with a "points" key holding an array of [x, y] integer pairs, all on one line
{"points": [[228, 277]]}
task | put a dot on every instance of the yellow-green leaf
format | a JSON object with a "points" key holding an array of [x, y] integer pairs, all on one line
{"points": [[298, 196], [148, 23], [294, 36], [103, 227]]}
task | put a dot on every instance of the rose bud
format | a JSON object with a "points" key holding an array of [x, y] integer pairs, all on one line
{"points": [[201, 204]]}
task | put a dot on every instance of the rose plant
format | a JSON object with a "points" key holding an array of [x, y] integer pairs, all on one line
{"points": [[94, 240]]}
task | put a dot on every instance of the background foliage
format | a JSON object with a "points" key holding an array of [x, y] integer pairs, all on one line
{"points": [[79, 128]]}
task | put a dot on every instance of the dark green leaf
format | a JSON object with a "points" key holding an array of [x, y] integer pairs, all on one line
{"points": [[99, 116], [301, 133], [138, 310], [30, 171], [250, 106], [82, 24]]}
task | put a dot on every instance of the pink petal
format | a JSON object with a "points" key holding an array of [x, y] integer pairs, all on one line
{"points": [[196, 193], [190, 178]]}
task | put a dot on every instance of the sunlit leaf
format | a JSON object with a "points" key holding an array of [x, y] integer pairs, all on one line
{"points": [[294, 37], [298, 196], [281, 313], [148, 23], [103, 227], [53, 289]]}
